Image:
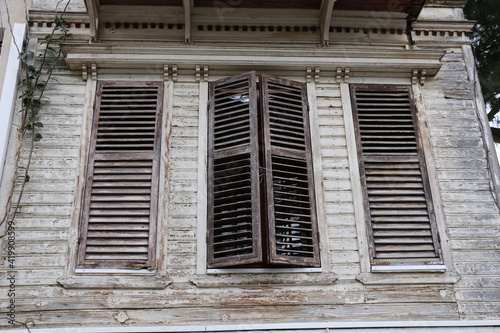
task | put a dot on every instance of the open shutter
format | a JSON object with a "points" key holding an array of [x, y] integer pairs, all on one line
{"points": [[291, 211], [234, 230], [119, 215], [398, 204]]}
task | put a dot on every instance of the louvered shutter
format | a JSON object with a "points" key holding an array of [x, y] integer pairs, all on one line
{"points": [[234, 230], [291, 212], [398, 204], [119, 215]]}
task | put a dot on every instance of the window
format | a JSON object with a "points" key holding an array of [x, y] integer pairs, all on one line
{"points": [[261, 208], [118, 225], [397, 198]]}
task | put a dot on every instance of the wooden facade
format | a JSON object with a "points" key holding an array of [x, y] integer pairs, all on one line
{"points": [[345, 142]]}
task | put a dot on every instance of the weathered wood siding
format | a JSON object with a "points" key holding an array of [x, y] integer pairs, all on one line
{"points": [[471, 214]]}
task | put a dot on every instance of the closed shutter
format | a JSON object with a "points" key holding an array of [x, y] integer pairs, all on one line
{"points": [[234, 230], [398, 202], [120, 207], [291, 212]]}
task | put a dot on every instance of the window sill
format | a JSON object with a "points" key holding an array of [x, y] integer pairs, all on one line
{"points": [[408, 278], [267, 279], [114, 279]]}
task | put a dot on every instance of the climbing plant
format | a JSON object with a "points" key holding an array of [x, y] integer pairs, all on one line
{"points": [[35, 76]]}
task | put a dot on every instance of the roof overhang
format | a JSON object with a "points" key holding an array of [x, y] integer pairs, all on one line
{"points": [[322, 9]]}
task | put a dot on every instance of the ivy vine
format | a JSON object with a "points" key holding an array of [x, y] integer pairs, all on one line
{"points": [[35, 75]]}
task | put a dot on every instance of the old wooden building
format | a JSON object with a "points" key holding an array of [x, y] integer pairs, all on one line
{"points": [[248, 166]]}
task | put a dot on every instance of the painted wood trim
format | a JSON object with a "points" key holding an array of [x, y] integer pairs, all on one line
{"points": [[357, 191], [116, 57], [410, 277], [121, 280], [8, 96], [267, 278], [164, 179], [488, 142], [324, 248], [74, 230], [201, 230]]}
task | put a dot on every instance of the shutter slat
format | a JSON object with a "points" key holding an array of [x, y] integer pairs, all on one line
{"points": [[397, 198], [120, 200]]}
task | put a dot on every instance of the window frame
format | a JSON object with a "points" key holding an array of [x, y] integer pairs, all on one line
{"points": [[157, 277], [210, 277], [441, 273]]}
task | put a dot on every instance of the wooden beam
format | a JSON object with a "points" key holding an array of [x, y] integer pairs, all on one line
{"points": [[188, 8], [92, 8], [325, 20]]}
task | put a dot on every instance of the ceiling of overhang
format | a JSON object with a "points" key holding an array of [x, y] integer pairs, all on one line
{"points": [[412, 7]]}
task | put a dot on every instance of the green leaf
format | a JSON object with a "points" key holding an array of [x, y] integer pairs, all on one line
{"points": [[28, 127], [27, 178], [36, 108], [38, 137], [38, 124]]}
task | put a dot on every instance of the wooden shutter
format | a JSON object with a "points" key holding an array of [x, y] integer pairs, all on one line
{"points": [[291, 212], [398, 202], [119, 215], [234, 230]]}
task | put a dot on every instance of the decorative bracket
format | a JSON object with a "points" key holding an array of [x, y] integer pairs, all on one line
{"points": [[85, 73], [309, 74], [342, 75], [316, 74], [418, 76], [201, 73], [94, 72], [422, 76], [174, 73], [338, 77], [205, 73], [198, 73], [165, 73]]}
